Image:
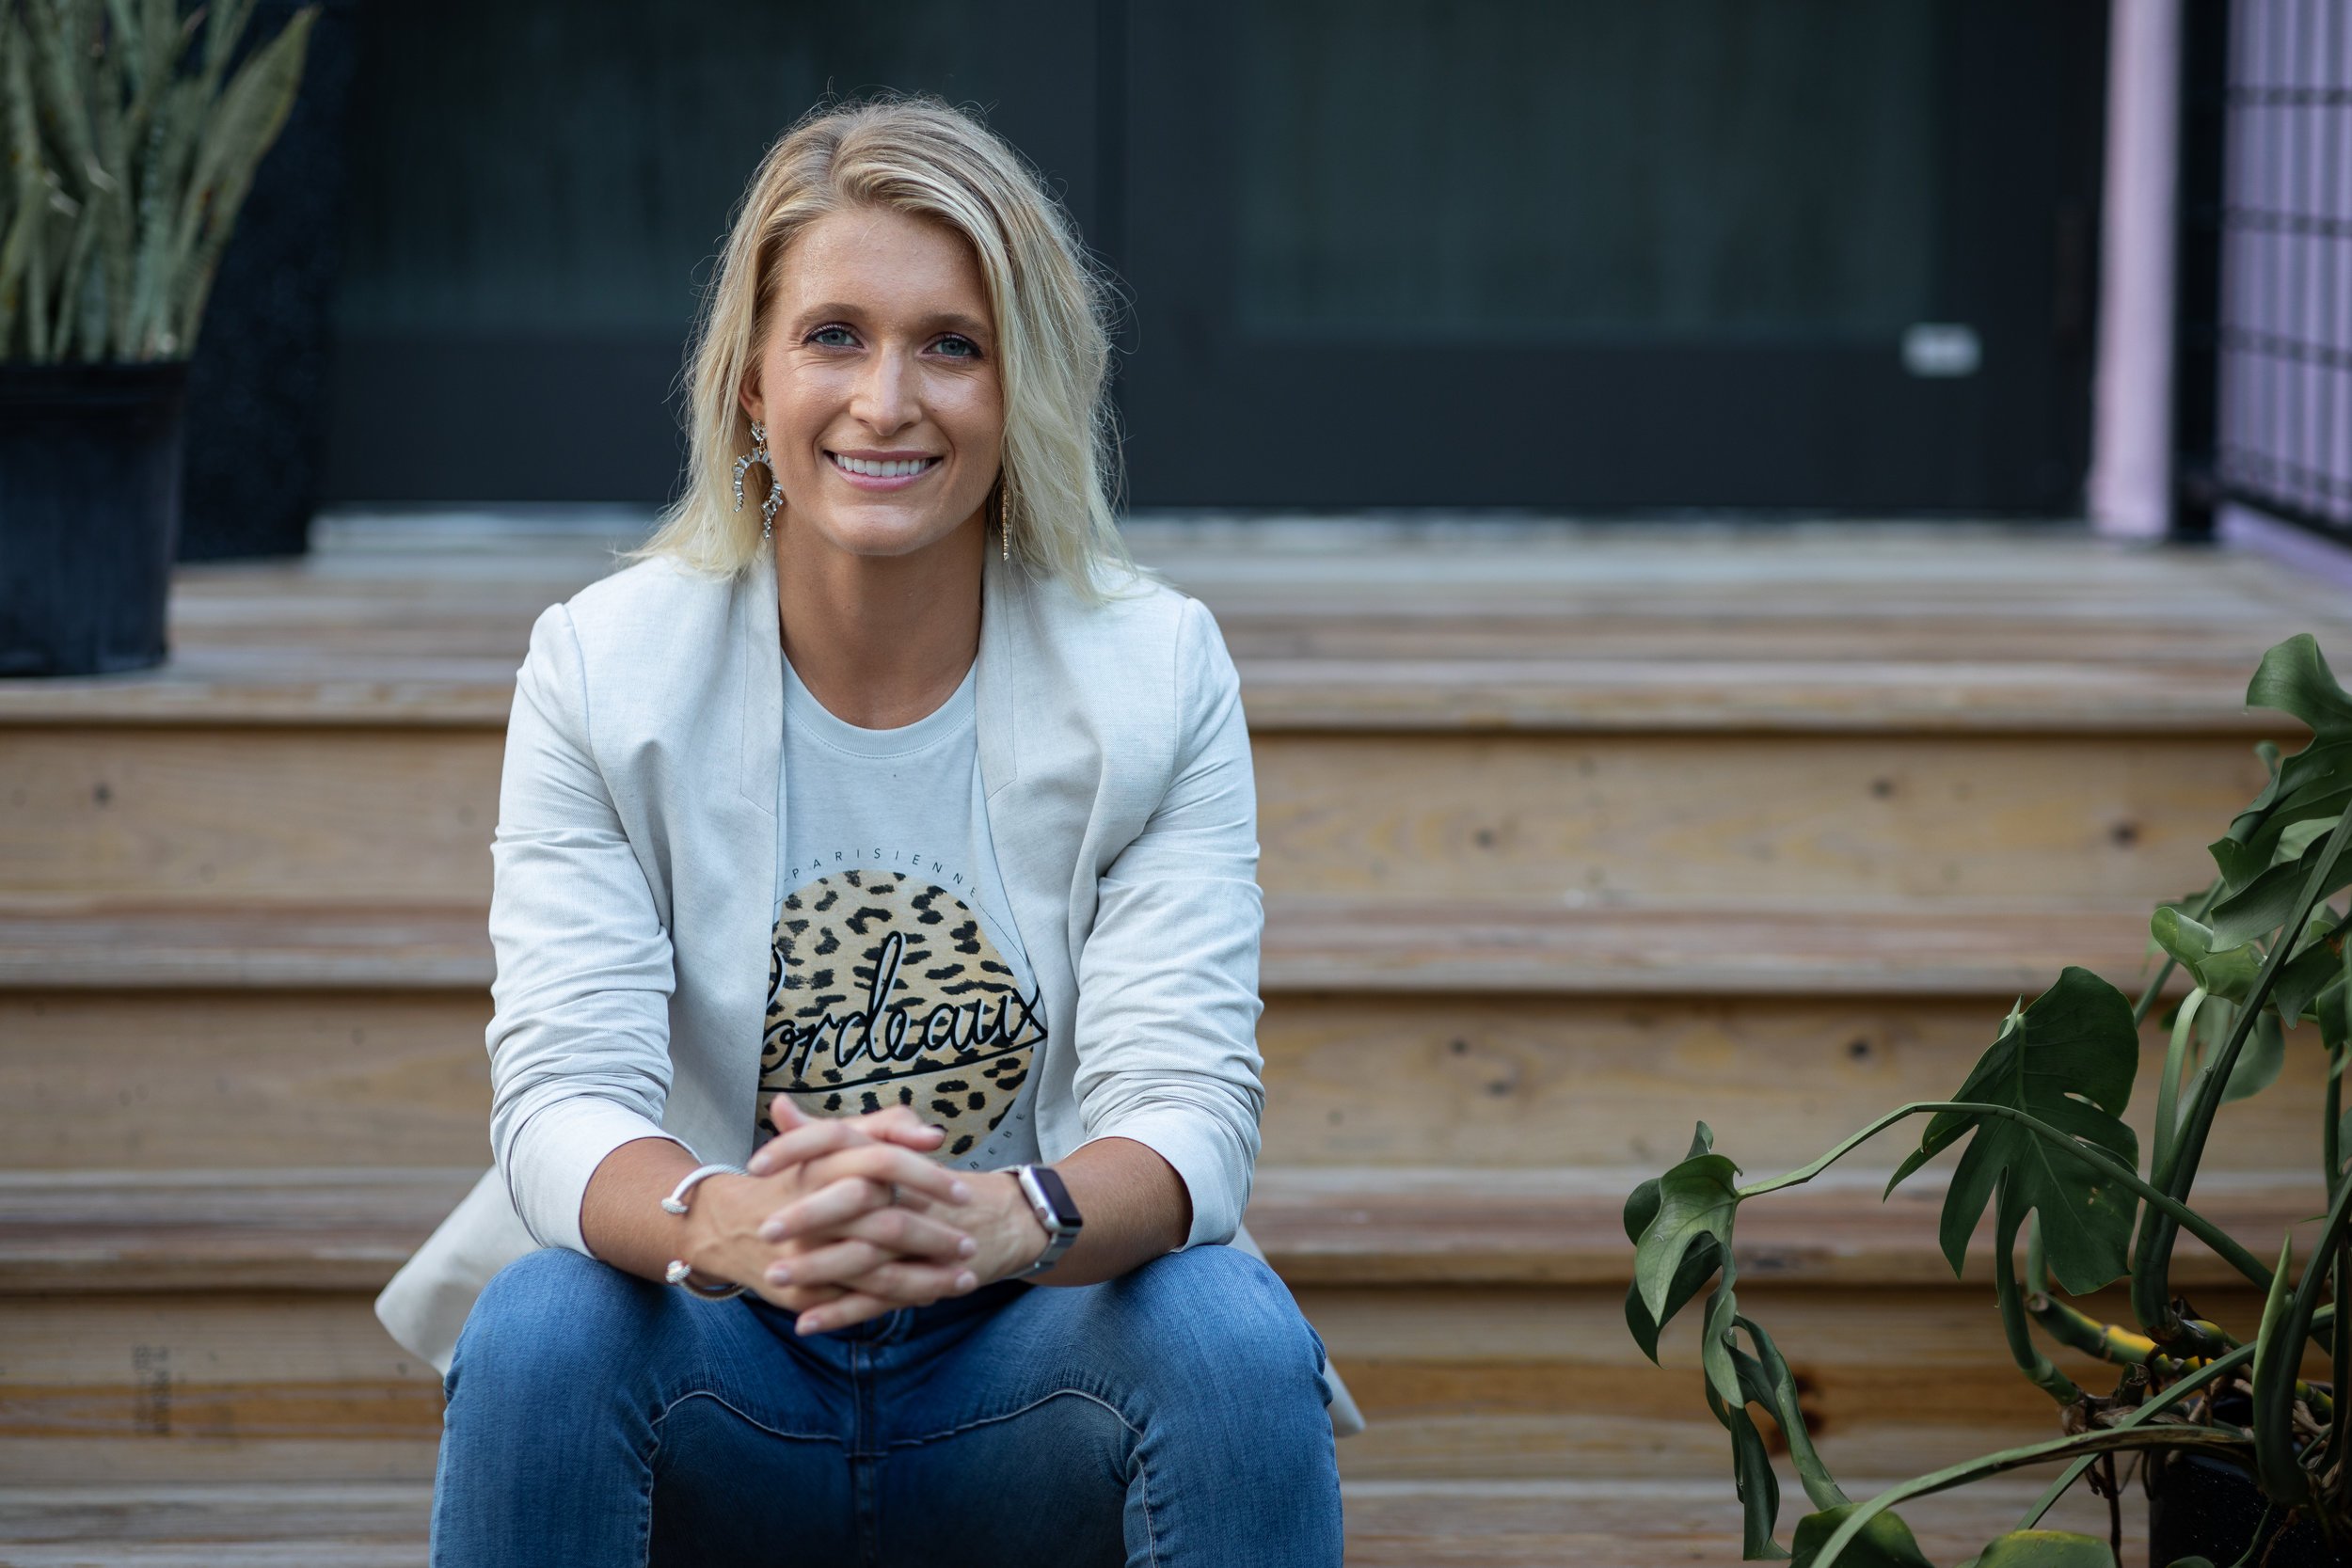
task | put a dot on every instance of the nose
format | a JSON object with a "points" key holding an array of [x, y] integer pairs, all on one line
{"points": [[887, 398]]}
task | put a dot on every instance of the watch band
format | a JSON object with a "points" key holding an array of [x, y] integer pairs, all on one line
{"points": [[1050, 1201], [676, 1204]]}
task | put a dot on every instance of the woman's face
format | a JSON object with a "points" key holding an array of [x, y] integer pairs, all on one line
{"points": [[878, 385]]}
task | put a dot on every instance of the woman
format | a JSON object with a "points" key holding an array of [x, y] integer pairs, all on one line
{"points": [[904, 838]]}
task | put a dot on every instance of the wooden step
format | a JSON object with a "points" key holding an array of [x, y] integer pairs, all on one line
{"points": [[339, 1231], [1352, 624], [1463, 1383], [1519, 947], [1621, 1523], [162, 1039], [380, 813]]}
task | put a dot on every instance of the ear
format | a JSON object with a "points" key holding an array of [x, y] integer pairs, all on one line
{"points": [[747, 394]]}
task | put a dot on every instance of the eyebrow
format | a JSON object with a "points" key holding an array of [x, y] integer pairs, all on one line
{"points": [[945, 321]]}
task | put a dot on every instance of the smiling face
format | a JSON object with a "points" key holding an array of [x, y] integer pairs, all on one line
{"points": [[878, 385]]}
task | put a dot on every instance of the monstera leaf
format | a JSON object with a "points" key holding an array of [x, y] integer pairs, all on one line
{"points": [[2045, 1548], [2067, 1060], [1885, 1541], [1699, 1262], [2274, 844]]}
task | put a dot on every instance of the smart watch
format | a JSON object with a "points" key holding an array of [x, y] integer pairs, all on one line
{"points": [[1050, 1201]]}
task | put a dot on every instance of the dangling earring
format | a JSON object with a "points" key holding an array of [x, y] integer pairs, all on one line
{"points": [[775, 486], [1004, 539]]}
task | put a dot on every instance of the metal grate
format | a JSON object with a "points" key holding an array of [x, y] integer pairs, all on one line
{"points": [[2277, 213]]}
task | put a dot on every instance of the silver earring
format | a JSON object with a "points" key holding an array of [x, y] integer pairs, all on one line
{"points": [[1004, 538], [775, 486]]}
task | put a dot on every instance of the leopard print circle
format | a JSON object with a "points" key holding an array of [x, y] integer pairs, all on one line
{"points": [[882, 990]]}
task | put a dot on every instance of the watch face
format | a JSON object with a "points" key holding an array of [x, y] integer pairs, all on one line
{"points": [[1049, 1182]]}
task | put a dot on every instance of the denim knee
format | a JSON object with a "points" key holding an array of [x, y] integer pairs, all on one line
{"points": [[555, 1318], [1235, 1313]]}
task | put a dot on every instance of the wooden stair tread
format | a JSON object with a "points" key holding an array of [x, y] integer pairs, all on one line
{"points": [[1839, 630], [341, 1230], [228, 686], [1311, 944], [1622, 1522]]}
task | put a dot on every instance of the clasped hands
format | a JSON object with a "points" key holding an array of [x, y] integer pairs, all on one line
{"points": [[813, 1230]]}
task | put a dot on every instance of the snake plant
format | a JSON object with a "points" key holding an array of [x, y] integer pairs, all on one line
{"points": [[131, 148], [2049, 1154]]}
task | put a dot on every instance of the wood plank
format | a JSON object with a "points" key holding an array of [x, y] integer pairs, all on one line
{"points": [[1390, 1524], [113, 1077], [1352, 624], [1528, 1382], [356, 815], [1527, 948], [1479, 1080], [367, 814], [339, 1231], [1343, 944], [1747, 820]]}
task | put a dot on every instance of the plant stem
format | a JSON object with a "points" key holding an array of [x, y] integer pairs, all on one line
{"points": [[2080, 1332], [2330, 1131], [2152, 1261], [2178, 1212], [2169, 1086], [2028, 1356]]}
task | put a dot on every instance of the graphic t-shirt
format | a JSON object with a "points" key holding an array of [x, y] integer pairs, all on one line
{"points": [[895, 975]]}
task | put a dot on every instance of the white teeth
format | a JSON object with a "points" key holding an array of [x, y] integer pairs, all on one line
{"points": [[892, 468]]}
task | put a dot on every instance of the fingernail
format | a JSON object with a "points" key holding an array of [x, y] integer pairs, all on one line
{"points": [[965, 1281], [966, 1247], [780, 1275], [804, 1324], [772, 1233], [960, 1190]]}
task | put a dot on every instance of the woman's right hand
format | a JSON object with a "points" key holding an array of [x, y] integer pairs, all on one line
{"points": [[907, 1257]]}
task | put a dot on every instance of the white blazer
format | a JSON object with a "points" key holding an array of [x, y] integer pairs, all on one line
{"points": [[634, 894]]}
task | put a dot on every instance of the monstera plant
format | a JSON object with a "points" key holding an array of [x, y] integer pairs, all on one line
{"points": [[2048, 1154], [131, 146]]}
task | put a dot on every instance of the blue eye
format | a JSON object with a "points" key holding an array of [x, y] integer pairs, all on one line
{"points": [[960, 347], [819, 336]]}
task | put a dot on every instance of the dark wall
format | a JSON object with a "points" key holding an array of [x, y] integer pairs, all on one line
{"points": [[1559, 254]]}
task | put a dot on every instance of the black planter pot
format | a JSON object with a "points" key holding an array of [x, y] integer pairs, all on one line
{"points": [[89, 514], [2198, 1506]]}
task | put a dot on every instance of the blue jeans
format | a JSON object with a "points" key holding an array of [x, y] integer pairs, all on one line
{"points": [[1171, 1416]]}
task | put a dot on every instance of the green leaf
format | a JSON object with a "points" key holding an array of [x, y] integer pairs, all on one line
{"points": [[2293, 678], [2279, 1349], [2045, 1548], [2318, 964], [2258, 1061], [2269, 902], [1695, 1200], [2229, 974], [1698, 1264], [1774, 1387], [1751, 1476], [1885, 1542], [2069, 1061]]}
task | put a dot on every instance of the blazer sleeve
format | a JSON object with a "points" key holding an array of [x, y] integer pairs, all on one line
{"points": [[579, 1034], [1168, 980]]}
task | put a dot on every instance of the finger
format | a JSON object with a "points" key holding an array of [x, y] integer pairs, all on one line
{"points": [[834, 1204], [804, 1142], [886, 1163], [904, 1126], [834, 1258], [860, 1305], [841, 1312], [895, 1229]]}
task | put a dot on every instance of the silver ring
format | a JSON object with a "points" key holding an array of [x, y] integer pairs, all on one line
{"points": [[894, 1194]]}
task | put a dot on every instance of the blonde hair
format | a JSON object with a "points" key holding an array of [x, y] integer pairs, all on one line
{"points": [[915, 154]]}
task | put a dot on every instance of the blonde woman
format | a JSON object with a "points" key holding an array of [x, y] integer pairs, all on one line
{"points": [[877, 928]]}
